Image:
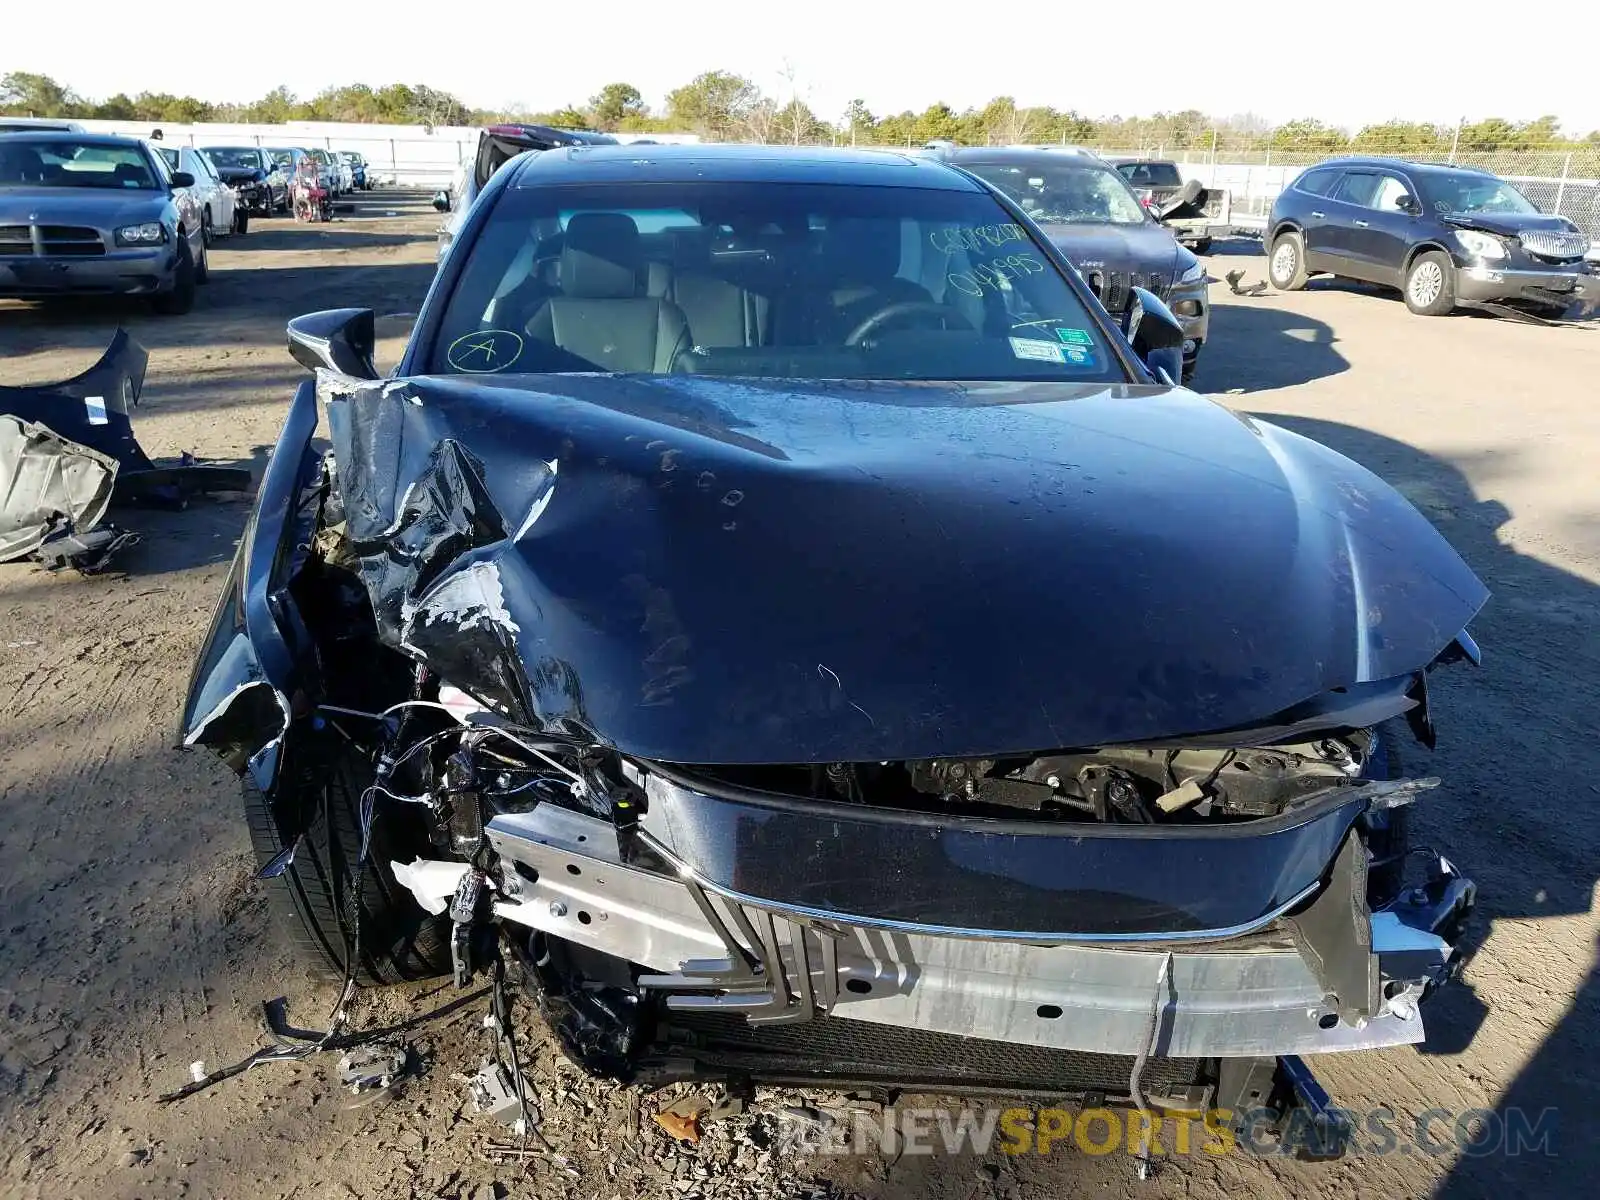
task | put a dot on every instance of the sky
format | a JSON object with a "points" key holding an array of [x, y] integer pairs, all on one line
{"points": [[1101, 59]]}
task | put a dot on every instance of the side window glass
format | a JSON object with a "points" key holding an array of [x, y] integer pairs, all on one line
{"points": [[1357, 187], [1390, 189], [1317, 182]]}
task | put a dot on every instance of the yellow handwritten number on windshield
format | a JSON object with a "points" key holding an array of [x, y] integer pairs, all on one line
{"points": [[484, 351]]}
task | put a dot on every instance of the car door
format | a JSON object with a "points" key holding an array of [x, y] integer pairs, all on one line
{"points": [[1348, 208], [1381, 235], [222, 197], [1308, 204]]}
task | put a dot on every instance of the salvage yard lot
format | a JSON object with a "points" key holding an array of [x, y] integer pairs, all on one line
{"points": [[134, 941]]}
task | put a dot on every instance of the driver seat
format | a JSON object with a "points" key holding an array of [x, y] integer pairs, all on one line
{"points": [[862, 256], [600, 318]]}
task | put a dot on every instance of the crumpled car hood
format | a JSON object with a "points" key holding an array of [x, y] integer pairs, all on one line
{"points": [[727, 571]]}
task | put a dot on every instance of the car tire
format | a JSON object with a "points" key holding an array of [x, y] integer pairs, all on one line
{"points": [[241, 221], [1430, 289], [1201, 246], [206, 233], [180, 299], [313, 900], [202, 266], [1286, 262]]}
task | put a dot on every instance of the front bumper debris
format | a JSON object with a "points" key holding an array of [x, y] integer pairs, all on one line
{"points": [[716, 951], [67, 451], [1477, 284]]}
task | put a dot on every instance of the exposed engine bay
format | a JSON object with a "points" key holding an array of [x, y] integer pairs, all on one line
{"points": [[510, 738]]}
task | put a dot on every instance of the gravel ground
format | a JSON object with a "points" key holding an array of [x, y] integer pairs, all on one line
{"points": [[136, 942]]}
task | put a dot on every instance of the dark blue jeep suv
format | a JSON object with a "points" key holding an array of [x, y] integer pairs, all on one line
{"points": [[1445, 236]]}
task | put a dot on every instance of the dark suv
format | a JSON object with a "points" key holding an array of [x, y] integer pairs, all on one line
{"points": [[1445, 236], [1091, 214]]}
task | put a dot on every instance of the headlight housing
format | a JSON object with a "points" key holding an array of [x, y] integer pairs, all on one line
{"points": [[1193, 274], [151, 233], [1481, 245]]}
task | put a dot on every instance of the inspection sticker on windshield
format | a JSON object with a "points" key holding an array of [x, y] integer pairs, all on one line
{"points": [[1074, 337], [1038, 351]]}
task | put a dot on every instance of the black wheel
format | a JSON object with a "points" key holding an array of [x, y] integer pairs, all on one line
{"points": [[315, 898], [181, 298], [241, 221], [205, 227], [1201, 246], [1286, 262], [1430, 289], [202, 267]]}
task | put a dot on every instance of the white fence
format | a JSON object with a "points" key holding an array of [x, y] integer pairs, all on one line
{"points": [[407, 155]]}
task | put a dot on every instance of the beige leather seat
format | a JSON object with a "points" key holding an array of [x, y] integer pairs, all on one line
{"points": [[601, 319]]}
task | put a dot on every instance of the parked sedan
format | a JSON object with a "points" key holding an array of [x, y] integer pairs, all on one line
{"points": [[1088, 210], [216, 199], [1445, 236], [255, 176], [772, 600], [91, 213]]}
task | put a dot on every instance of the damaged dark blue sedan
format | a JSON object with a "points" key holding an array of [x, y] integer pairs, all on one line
{"points": [[774, 602]]}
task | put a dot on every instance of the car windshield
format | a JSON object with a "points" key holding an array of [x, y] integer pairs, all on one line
{"points": [[762, 279], [55, 163], [1064, 193], [226, 158], [354, 159], [1472, 194], [1154, 174], [320, 155]]}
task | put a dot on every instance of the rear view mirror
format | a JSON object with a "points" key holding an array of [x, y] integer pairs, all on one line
{"points": [[1155, 335], [182, 179], [340, 339], [441, 201]]}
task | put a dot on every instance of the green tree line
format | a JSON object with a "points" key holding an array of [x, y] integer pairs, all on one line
{"points": [[727, 106]]}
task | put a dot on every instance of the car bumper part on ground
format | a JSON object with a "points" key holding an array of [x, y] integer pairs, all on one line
{"points": [[718, 951], [1481, 283], [122, 272]]}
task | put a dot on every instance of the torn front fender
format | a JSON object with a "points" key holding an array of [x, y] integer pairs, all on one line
{"points": [[239, 701]]}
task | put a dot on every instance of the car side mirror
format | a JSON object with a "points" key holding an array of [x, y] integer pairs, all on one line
{"points": [[441, 201], [1407, 204], [182, 179], [340, 339], [1155, 335]]}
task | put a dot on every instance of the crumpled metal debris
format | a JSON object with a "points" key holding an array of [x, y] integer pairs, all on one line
{"points": [[494, 1093], [372, 1066], [67, 449]]}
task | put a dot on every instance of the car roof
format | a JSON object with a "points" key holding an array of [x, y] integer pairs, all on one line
{"points": [[1142, 162], [51, 136], [698, 162], [1023, 156], [1378, 160]]}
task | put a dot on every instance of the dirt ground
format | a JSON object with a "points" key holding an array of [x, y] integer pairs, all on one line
{"points": [[134, 942]]}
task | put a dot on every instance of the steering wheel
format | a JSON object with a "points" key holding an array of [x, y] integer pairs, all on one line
{"points": [[904, 308]]}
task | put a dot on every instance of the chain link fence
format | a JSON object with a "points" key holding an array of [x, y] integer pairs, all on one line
{"points": [[1562, 180]]}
